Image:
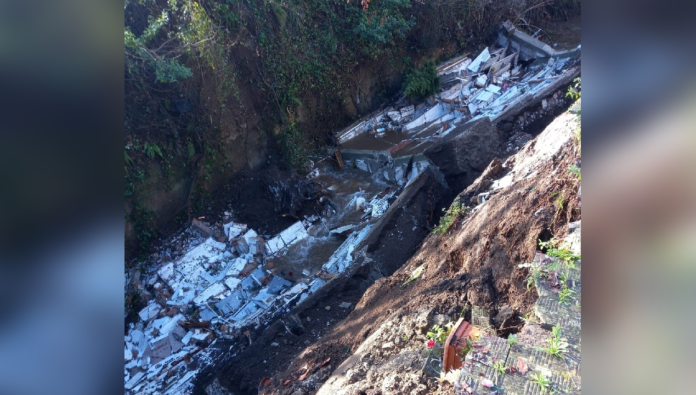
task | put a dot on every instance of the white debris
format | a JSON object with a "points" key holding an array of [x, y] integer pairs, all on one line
{"points": [[286, 238], [149, 312], [164, 326], [502, 183], [432, 114], [135, 380], [200, 335], [213, 290], [233, 229], [476, 63], [249, 235], [236, 267], [394, 116], [341, 258], [187, 338], [232, 282], [408, 110], [166, 272], [294, 233]]}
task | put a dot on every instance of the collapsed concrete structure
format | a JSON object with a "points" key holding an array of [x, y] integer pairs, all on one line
{"points": [[223, 285], [517, 71]]}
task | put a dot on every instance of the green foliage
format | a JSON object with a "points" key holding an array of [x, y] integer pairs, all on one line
{"points": [[167, 68], [512, 339], [449, 217], [294, 148], [574, 169], [422, 82], [574, 90], [534, 275], [499, 367], [565, 294], [556, 249], [151, 150], [381, 24], [543, 382], [144, 223], [440, 334], [557, 345], [170, 70]]}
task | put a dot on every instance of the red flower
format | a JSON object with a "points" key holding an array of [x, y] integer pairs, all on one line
{"points": [[431, 343]]}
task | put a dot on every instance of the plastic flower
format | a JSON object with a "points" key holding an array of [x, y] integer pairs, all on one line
{"points": [[431, 343]]}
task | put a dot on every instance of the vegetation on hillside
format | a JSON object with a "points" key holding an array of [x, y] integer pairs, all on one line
{"points": [[194, 67]]}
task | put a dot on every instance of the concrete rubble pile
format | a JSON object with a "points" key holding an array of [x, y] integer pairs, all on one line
{"points": [[513, 71], [216, 288]]}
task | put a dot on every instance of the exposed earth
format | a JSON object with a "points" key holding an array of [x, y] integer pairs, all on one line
{"points": [[473, 264]]}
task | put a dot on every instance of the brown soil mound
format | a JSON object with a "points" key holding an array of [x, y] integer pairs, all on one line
{"points": [[474, 263]]}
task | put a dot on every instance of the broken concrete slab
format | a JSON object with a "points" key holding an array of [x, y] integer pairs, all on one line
{"points": [[210, 292], [476, 63], [343, 230], [233, 229], [165, 347], [150, 311], [277, 285], [207, 314], [232, 283], [342, 257]]}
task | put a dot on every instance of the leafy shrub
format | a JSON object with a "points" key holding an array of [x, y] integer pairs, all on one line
{"points": [[423, 82], [294, 148]]}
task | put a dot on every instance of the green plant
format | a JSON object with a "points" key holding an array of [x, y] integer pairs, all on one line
{"points": [[543, 382], [440, 334], [512, 339], [380, 24], [557, 345], [294, 148], [151, 150], [556, 249], [499, 366], [574, 90], [535, 273], [448, 218], [558, 203], [573, 169], [422, 82], [565, 294]]}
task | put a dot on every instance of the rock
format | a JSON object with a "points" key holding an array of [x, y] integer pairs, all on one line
{"points": [[215, 388], [388, 345], [466, 151], [504, 314], [440, 319], [293, 324], [422, 320]]}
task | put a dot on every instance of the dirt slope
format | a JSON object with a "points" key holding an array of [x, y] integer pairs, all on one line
{"points": [[473, 263]]}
